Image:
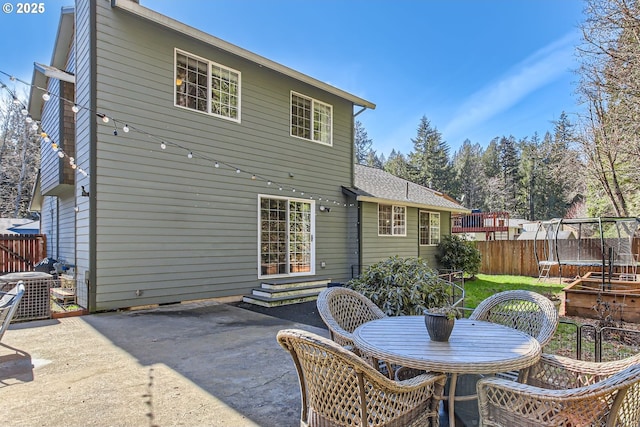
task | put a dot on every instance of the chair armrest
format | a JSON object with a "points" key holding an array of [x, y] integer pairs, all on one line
{"points": [[503, 402], [559, 372]]}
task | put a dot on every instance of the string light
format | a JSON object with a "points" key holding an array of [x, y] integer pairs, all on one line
{"points": [[126, 129]]}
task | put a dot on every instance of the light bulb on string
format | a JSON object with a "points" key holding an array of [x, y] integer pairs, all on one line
{"points": [[54, 146], [60, 154], [190, 155], [268, 182], [253, 177], [46, 96], [238, 171], [216, 165], [75, 108], [16, 101], [105, 119], [28, 119], [24, 112], [34, 126], [293, 190], [163, 145], [125, 128]]}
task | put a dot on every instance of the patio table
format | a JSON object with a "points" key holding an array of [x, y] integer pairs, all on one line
{"points": [[475, 347]]}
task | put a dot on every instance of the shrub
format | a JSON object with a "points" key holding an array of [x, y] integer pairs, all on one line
{"points": [[403, 286], [457, 254]]}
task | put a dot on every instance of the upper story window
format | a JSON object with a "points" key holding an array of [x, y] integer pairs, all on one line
{"points": [[311, 119], [392, 220], [429, 232], [206, 86]]}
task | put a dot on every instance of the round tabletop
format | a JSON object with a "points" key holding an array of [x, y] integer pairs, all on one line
{"points": [[475, 347]]}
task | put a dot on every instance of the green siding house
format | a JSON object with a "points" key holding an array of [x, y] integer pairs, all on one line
{"points": [[398, 217], [177, 166]]}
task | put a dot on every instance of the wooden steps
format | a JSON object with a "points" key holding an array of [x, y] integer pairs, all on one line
{"points": [[274, 294]]}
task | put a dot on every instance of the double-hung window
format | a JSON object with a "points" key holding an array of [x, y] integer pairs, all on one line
{"points": [[392, 220], [206, 86], [311, 119], [429, 228], [286, 236]]}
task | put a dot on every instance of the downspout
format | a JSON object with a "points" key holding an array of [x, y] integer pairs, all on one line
{"points": [[357, 204]]}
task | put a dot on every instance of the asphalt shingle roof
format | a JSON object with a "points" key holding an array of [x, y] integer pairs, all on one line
{"points": [[376, 183]]}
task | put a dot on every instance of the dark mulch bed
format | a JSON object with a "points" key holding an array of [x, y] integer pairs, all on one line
{"points": [[305, 312]]}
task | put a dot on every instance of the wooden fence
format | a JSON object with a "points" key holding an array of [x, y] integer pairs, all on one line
{"points": [[517, 257], [21, 252]]}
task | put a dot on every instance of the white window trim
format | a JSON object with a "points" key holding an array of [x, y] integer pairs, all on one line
{"points": [[312, 272], [210, 63], [429, 227], [392, 225], [313, 102]]}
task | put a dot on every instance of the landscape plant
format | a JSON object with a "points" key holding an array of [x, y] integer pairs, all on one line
{"points": [[403, 286], [456, 254]]}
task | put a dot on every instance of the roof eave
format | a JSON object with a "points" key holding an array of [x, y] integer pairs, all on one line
{"points": [[153, 16], [373, 199], [60, 53]]}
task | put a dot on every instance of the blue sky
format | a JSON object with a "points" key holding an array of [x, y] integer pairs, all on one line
{"points": [[477, 69]]}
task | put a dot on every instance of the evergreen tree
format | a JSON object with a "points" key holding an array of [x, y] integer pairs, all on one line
{"points": [[509, 161], [430, 159], [363, 144], [470, 177], [397, 165], [531, 193]]}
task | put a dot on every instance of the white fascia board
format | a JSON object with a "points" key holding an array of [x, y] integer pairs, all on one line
{"points": [[372, 199]]}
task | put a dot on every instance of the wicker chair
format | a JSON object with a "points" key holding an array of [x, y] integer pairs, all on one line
{"points": [[338, 388], [343, 310], [9, 304], [525, 311], [579, 394]]}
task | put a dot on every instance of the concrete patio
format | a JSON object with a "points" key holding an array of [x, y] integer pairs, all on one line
{"points": [[195, 364]]}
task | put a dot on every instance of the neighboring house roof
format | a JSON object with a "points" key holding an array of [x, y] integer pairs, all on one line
{"points": [[376, 185], [153, 16], [19, 226]]}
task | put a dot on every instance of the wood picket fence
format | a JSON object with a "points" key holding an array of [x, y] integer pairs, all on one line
{"points": [[21, 252], [518, 258]]}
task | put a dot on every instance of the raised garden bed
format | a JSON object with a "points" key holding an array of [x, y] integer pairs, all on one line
{"points": [[587, 296]]}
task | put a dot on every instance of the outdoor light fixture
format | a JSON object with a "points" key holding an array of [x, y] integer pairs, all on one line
{"points": [[324, 208]]}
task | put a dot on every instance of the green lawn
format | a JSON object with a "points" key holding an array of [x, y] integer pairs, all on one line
{"points": [[615, 346], [484, 285]]}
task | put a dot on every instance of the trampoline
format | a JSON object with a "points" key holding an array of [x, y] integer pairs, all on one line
{"points": [[606, 243]]}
